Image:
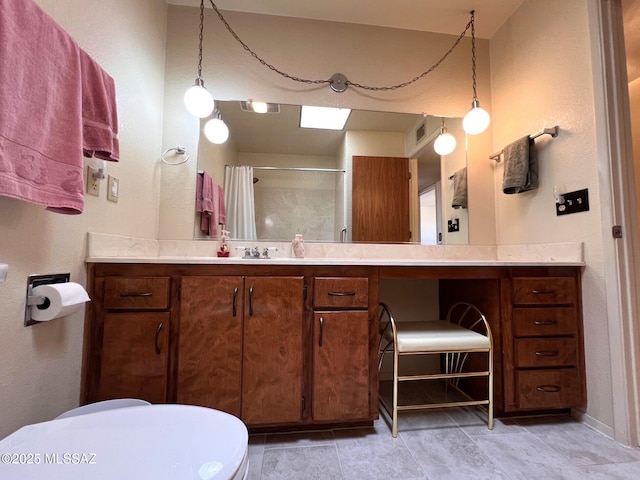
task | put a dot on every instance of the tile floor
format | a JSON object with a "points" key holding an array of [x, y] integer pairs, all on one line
{"points": [[451, 444]]}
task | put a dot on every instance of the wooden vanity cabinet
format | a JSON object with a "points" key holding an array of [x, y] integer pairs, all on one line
{"points": [[129, 354], [341, 356], [210, 342], [272, 358], [544, 347], [240, 346]]}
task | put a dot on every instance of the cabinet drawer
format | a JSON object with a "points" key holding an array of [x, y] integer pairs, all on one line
{"points": [[341, 292], [144, 293], [546, 352], [539, 389], [544, 290], [545, 321]]}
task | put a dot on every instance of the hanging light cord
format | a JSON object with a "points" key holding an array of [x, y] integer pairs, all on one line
{"points": [[473, 52], [347, 82], [199, 79]]}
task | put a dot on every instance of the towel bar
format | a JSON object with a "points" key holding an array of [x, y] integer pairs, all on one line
{"points": [[553, 131]]}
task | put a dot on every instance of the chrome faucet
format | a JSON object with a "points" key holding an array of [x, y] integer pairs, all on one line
{"points": [[265, 253], [255, 253]]}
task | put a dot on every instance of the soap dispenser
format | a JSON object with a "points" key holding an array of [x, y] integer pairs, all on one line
{"points": [[223, 251], [297, 246]]}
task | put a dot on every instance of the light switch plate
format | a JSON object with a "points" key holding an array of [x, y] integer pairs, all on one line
{"points": [[113, 189]]}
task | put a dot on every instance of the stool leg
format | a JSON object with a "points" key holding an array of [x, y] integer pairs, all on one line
{"points": [[490, 406], [394, 413]]}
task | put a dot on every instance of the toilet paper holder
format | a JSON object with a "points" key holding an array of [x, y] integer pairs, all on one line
{"points": [[34, 281]]}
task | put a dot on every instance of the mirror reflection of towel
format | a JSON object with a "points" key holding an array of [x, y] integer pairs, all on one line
{"points": [[459, 189], [210, 204], [520, 166]]}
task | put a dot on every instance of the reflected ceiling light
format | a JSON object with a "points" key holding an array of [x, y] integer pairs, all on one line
{"points": [[259, 107], [197, 99], [216, 130], [445, 143], [326, 118], [477, 119]]}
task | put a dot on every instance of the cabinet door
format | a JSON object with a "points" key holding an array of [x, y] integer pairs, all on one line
{"points": [[134, 356], [341, 365], [272, 355], [210, 345]]}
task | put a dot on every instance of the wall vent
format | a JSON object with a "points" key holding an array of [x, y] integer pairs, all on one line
{"points": [[420, 132]]}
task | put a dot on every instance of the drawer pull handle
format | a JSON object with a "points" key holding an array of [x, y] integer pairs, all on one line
{"points": [[549, 388], [543, 292], [321, 331], [342, 294], [146, 294], [545, 322], [235, 299], [251, 301], [156, 341], [547, 353]]}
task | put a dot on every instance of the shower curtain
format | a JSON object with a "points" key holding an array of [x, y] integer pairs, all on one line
{"points": [[239, 200]]}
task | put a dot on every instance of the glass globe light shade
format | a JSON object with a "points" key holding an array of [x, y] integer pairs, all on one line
{"points": [[476, 120], [216, 131], [198, 101], [444, 144]]}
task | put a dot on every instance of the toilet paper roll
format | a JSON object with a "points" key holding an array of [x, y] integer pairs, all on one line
{"points": [[64, 299]]}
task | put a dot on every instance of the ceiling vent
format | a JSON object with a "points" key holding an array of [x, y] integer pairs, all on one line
{"points": [[271, 107]]}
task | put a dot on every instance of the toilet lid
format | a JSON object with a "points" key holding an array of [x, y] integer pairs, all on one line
{"points": [[155, 442]]}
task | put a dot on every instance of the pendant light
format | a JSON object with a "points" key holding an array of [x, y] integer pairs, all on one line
{"points": [[445, 143], [216, 130], [197, 99], [477, 119]]}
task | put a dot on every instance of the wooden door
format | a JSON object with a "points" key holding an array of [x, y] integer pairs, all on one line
{"points": [[210, 345], [272, 379], [341, 365], [380, 199], [134, 356]]}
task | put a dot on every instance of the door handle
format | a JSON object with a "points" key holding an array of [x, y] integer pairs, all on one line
{"points": [[547, 353], [251, 301], [321, 331], [545, 322], [235, 299], [342, 294], [146, 294], [158, 330]]}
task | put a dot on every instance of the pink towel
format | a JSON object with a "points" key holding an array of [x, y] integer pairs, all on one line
{"points": [[99, 113], [210, 203], [40, 109]]}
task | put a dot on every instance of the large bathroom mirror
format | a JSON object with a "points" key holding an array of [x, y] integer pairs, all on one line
{"points": [[303, 179]]}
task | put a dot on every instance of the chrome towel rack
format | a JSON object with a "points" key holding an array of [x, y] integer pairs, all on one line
{"points": [[553, 131]]}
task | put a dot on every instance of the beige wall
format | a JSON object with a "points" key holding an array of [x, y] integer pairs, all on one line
{"points": [[634, 99], [40, 366], [315, 50], [541, 75]]}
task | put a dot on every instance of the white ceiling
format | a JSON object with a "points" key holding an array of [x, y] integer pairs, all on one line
{"points": [[440, 16]]}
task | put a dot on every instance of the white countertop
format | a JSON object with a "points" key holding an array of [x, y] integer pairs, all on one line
{"points": [[104, 248]]}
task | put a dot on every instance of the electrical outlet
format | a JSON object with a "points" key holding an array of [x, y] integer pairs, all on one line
{"points": [[93, 184], [573, 202], [453, 225], [113, 188]]}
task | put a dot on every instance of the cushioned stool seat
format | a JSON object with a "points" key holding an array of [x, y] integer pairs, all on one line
{"points": [[437, 336]]}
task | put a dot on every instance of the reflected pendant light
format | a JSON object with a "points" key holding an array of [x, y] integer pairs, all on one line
{"points": [[445, 143], [216, 130], [197, 99], [477, 119]]}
